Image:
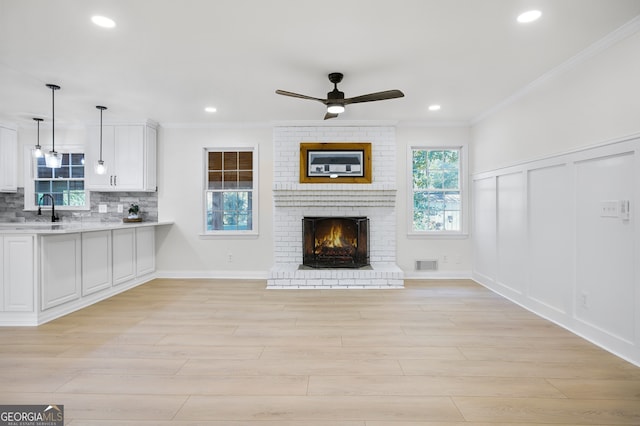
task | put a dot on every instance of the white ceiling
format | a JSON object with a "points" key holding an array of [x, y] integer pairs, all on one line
{"points": [[168, 59]]}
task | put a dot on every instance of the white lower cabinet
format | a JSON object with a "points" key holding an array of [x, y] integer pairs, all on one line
{"points": [[44, 276], [16, 273], [96, 262], [124, 255], [60, 269], [145, 250]]}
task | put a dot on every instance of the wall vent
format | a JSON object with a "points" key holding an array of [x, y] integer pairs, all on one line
{"points": [[426, 265]]}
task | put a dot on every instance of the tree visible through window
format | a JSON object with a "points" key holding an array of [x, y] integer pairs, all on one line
{"points": [[436, 190], [229, 193]]}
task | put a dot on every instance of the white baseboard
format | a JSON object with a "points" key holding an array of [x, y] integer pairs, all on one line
{"points": [[437, 275], [223, 275], [263, 275]]}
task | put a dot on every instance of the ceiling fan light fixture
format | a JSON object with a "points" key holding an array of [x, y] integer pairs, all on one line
{"points": [[335, 101], [335, 109]]}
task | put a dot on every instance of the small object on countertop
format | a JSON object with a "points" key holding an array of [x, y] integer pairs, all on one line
{"points": [[131, 220], [133, 214]]}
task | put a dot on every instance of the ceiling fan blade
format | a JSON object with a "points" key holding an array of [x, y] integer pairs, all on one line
{"points": [[330, 115], [297, 95], [378, 96]]}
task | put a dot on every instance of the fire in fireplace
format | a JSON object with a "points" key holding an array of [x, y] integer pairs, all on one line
{"points": [[335, 242]]}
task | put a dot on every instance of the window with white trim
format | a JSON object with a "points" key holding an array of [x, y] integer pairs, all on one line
{"points": [[65, 184], [436, 190], [230, 196]]}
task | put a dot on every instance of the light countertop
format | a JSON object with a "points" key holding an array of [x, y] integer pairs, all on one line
{"points": [[69, 227]]}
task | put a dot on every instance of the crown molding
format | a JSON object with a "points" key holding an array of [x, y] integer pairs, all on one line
{"points": [[621, 33], [227, 125], [334, 123]]}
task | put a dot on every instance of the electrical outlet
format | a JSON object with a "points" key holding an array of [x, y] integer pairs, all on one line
{"points": [[102, 208], [609, 208], [120, 208], [584, 299], [229, 257]]}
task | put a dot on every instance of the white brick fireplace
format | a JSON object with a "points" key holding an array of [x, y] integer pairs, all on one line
{"points": [[294, 200]]}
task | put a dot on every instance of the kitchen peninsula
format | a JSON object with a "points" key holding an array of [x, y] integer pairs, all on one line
{"points": [[48, 270]]}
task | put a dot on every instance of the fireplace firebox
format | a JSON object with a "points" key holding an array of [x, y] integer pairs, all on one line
{"points": [[335, 242]]}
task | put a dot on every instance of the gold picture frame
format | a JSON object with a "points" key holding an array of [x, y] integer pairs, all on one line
{"points": [[335, 162]]}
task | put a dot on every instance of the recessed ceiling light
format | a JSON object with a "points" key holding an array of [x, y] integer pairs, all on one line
{"points": [[529, 16], [434, 107], [103, 21], [210, 109]]}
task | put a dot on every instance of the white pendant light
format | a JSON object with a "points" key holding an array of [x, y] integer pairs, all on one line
{"points": [[53, 159], [100, 168], [37, 151]]}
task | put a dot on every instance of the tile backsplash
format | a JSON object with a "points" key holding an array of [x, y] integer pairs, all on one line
{"points": [[12, 207]]}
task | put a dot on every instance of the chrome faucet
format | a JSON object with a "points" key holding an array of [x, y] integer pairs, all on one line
{"points": [[54, 218]]}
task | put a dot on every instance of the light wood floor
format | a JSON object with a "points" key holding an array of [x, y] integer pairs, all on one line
{"points": [[200, 352]]}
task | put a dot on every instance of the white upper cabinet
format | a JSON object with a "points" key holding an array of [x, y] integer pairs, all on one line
{"points": [[8, 159], [129, 154]]}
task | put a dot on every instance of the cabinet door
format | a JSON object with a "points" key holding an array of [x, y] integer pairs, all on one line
{"points": [[129, 158], [1, 273], [96, 261], [145, 250], [60, 270], [151, 149], [124, 252], [8, 160], [18, 273], [95, 181]]}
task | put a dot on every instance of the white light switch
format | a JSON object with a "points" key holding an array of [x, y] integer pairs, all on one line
{"points": [[624, 209]]}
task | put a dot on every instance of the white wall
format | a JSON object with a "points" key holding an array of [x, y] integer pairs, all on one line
{"points": [[589, 103], [542, 239], [182, 252], [544, 166]]}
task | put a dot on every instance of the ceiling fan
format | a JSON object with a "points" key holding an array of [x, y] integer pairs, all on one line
{"points": [[336, 101]]}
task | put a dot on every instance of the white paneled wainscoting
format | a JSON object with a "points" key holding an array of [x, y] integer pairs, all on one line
{"points": [[559, 236], [294, 200]]}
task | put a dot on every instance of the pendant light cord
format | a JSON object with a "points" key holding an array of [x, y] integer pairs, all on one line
{"points": [[53, 119], [100, 134], [53, 88], [101, 108]]}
